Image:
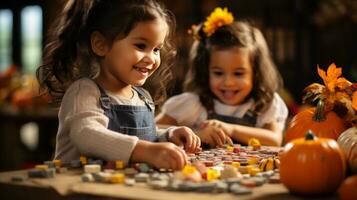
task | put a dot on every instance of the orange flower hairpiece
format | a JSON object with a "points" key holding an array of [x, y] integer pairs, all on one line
{"points": [[219, 17]]}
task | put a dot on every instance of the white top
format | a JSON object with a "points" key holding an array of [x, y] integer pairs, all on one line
{"points": [[83, 125], [187, 110]]}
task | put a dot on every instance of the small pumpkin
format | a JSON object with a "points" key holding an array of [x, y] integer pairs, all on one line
{"points": [[348, 143], [347, 190], [312, 165], [328, 125]]}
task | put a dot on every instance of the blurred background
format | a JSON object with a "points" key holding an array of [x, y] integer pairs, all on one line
{"points": [[301, 34]]}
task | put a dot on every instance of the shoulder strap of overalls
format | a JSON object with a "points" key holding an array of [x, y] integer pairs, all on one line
{"points": [[251, 116], [146, 97], [104, 98]]}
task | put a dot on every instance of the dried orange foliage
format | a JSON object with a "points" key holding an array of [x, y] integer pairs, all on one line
{"points": [[338, 93]]}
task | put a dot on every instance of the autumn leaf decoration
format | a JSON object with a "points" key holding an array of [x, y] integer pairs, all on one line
{"points": [[338, 94]]}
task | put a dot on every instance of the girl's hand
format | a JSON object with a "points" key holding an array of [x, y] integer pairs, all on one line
{"points": [[213, 135], [185, 137], [159, 155], [218, 124]]}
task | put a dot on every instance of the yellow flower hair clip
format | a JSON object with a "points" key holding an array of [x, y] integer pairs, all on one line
{"points": [[219, 17]]}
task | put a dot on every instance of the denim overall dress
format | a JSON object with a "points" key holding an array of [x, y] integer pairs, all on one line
{"points": [[248, 119], [131, 120]]}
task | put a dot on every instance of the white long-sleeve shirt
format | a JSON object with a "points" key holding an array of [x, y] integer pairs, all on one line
{"points": [[83, 125], [187, 110]]}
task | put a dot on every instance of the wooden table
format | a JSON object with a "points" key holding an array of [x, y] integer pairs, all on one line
{"points": [[69, 186]]}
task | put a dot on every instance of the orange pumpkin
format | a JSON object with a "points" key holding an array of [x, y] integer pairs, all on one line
{"points": [[348, 144], [328, 125], [312, 165], [347, 190]]}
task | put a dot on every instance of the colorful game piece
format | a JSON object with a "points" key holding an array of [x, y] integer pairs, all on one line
{"points": [[87, 177], [83, 160], [212, 174], [41, 167], [117, 178], [119, 164], [255, 143], [57, 163], [92, 168]]}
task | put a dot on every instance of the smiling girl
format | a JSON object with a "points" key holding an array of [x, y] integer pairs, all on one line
{"points": [[232, 85], [101, 54]]}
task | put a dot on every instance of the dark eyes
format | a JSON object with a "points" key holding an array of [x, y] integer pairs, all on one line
{"points": [[140, 46], [219, 73], [157, 51], [238, 73], [144, 46]]}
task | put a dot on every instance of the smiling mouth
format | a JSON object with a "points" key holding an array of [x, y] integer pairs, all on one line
{"points": [[228, 94], [142, 70]]}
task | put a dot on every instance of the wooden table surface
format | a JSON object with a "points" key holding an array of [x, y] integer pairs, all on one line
{"points": [[69, 186]]}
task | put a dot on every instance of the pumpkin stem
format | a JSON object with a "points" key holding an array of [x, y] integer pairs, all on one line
{"points": [[309, 135], [319, 114]]}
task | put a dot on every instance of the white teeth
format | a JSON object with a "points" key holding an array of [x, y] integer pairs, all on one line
{"points": [[143, 70], [228, 94]]}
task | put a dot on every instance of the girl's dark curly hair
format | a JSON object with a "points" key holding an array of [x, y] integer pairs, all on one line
{"points": [[68, 54], [266, 78]]}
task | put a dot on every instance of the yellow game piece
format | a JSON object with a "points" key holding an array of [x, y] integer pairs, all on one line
{"points": [[245, 169], [255, 143], [236, 164], [230, 148], [117, 178], [119, 164], [41, 167], [253, 161], [253, 171], [83, 160], [57, 163], [212, 174], [189, 169]]}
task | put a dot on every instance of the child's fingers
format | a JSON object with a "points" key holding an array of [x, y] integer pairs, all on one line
{"points": [[179, 137], [216, 139], [177, 141], [229, 140], [173, 161], [197, 143], [180, 157], [226, 138], [189, 140], [221, 135]]}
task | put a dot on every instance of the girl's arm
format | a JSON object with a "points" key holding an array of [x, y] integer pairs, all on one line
{"points": [[209, 135], [268, 135], [165, 121]]}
